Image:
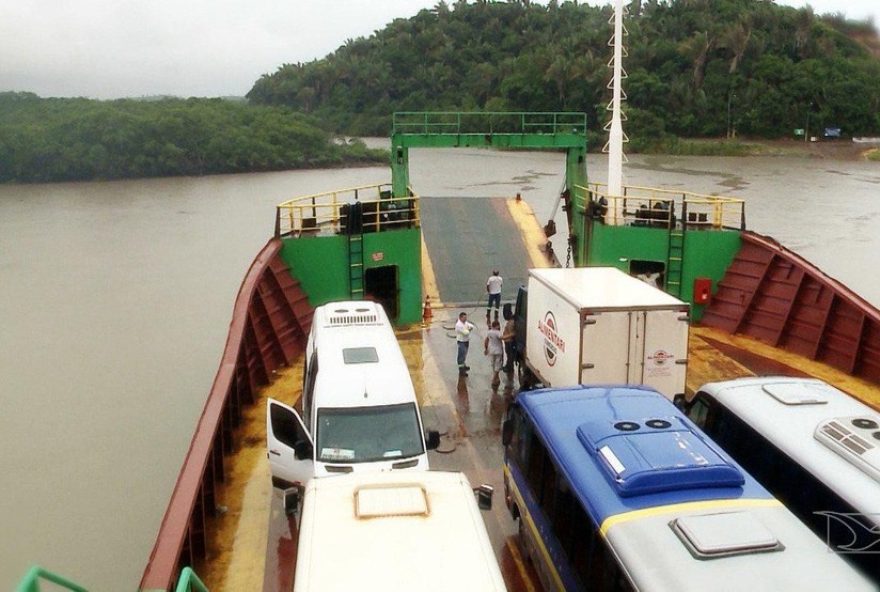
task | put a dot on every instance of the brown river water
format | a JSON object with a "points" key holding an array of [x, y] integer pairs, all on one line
{"points": [[115, 299]]}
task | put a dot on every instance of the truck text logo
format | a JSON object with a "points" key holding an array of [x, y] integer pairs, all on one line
{"points": [[553, 343]]}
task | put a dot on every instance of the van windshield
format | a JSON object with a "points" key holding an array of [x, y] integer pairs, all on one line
{"points": [[368, 434]]}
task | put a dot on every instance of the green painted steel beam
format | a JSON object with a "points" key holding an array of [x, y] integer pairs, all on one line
{"points": [[31, 581], [489, 140], [507, 130], [190, 582]]}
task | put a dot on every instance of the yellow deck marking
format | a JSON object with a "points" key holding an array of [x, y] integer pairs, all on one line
{"points": [[530, 230], [238, 555], [707, 364], [520, 566], [429, 280], [867, 392], [685, 507]]}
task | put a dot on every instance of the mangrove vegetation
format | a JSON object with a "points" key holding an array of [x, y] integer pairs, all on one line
{"points": [[79, 139]]}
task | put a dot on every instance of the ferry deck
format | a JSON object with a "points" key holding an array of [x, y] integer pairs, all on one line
{"points": [[461, 246]]}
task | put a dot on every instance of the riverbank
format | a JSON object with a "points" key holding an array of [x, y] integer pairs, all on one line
{"points": [[823, 149]]}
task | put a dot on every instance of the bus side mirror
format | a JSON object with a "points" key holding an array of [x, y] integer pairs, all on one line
{"points": [[507, 432], [432, 439], [680, 402], [484, 496], [302, 450]]}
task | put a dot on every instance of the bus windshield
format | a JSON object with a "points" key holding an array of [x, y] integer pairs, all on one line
{"points": [[368, 434]]}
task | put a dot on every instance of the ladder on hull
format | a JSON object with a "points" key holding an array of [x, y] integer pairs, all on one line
{"points": [[356, 266], [675, 260]]}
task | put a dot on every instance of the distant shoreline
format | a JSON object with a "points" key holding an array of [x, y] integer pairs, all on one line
{"points": [[823, 149]]}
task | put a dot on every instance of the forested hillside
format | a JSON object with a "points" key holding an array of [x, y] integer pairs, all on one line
{"points": [[76, 139], [697, 68]]}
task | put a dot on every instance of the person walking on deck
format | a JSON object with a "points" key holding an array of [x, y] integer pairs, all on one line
{"points": [[493, 288], [463, 329], [493, 348]]}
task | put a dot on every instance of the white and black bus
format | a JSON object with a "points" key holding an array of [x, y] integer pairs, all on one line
{"points": [[814, 447]]}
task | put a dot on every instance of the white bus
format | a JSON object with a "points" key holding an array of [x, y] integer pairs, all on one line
{"points": [[394, 531], [814, 447], [360, 411]]}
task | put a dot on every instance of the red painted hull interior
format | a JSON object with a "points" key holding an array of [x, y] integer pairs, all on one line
{"points": [[774, 295], [270, 324]]}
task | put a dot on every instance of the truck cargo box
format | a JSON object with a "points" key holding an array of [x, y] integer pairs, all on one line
{"points": [[598, 325]]}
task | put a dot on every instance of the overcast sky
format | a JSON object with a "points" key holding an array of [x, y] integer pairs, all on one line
{"points": [[128, 48]]}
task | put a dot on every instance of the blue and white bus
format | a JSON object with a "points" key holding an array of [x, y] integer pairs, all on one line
{"points": [[615, 489]]}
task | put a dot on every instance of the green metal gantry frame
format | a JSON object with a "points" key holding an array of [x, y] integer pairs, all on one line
{"points": [[507, 130]]}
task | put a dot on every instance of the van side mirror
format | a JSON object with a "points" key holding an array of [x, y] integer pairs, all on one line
{"points": [[432, 439], [484, 496], [507, 432], [302, 450]]}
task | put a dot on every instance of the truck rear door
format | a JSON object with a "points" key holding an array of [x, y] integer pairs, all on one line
{"points": [[664, 351], [605, 341]]}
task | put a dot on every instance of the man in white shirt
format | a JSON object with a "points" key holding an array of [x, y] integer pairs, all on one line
{"points": [[493, 288], [463, 329]]}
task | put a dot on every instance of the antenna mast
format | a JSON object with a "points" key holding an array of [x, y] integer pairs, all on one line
{"points": [[616, 137]]}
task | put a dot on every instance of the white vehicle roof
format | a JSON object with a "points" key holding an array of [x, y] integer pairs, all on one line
{"points": [[394, 531], [793, 558], [797, 415], [604, 288], [375, 372]]}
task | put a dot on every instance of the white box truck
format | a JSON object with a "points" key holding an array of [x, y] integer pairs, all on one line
{"points": [[598, 325]]}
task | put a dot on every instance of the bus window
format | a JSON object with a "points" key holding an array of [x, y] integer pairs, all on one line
{"points": [[548, 488], [615, 580], [522, 440], [535, 467], [563, 518], [698, 410], [582, 543]]}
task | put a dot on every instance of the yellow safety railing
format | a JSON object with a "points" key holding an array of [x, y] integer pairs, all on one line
{"points": [[369, 208], [650, 206]]}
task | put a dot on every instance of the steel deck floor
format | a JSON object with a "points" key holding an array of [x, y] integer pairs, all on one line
{"points": [[468, 237]]}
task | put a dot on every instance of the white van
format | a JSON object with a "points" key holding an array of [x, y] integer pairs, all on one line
{"points": [[386, 531], [360, 411]]}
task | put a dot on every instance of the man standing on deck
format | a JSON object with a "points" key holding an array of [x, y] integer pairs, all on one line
{"points": [[493, 347], [463, 329], [493, 288]]}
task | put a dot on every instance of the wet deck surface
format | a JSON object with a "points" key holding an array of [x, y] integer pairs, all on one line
{"points": [[469, 237]]}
